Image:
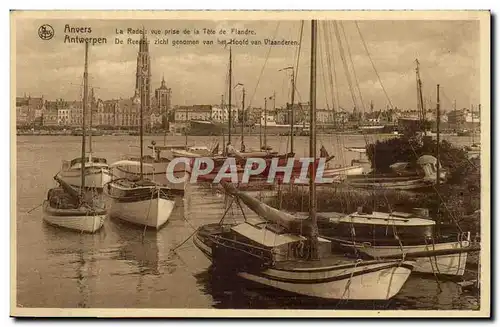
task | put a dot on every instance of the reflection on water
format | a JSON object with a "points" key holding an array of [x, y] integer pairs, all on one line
{"points": [[125, 266]]}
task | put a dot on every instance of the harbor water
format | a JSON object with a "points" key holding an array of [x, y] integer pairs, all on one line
{"points": [[125, 266]]}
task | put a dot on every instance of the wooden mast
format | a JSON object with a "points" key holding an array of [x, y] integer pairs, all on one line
{"points": [[243, 121], [230, 89], [313, 237], [222, 129], [186, 128], [265, 122], [291, 115], [260, 129], [84, 109], [90, 127], [291, 111], [420, 98], [142, 99], [438, 168]]}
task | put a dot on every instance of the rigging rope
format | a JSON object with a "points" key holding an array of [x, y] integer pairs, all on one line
{"points": [[342, 57], [353, 68], [373, 65], [263, 67]]}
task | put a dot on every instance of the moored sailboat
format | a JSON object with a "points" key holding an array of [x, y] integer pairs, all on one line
{"points": [[284, 252], [140, 200], [64, 206], [96, 169], [96, 172]]}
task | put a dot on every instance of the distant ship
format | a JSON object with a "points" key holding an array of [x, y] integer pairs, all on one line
{"points": [[206, 128], [209, 128]]}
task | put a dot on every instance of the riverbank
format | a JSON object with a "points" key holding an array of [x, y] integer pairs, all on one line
{"points": [[135, 133]]}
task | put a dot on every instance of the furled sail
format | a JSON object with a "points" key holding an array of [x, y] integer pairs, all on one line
{"points": [[68, 189], [286, 220]]}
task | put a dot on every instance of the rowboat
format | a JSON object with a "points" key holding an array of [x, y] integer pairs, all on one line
{"points": [[378, 234]]}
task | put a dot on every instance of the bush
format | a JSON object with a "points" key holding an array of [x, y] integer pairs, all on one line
{"points": [[382, 154]]}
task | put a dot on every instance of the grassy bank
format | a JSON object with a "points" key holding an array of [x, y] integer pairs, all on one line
{"points": [[455, 202]]}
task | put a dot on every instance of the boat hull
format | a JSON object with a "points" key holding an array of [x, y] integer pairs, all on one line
{"points": [[452, 264], [153, 211], [94, 177], [376, 281], [73, 219], [369, 280]]}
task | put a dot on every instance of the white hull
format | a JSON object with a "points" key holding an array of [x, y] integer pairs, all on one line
{"points": [[88, 224], [452, 264], [337, 174], [343, 171], [94, 177], [372, 282], [152, 212]]}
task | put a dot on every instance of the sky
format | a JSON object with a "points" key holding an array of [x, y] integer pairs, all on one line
{"points": [[448, 52]]}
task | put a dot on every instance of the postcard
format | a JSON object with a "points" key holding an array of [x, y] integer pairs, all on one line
{"points": [[250, 164]]}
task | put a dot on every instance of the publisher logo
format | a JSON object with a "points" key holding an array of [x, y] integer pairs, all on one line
{"points": [[46, 32]]}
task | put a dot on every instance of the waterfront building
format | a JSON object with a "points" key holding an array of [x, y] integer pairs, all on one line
{"points": [[50, 118], [30, 110], [155, 120], [106, 113], [63, 116], [195, 112], [163, 99], [75, 114]]}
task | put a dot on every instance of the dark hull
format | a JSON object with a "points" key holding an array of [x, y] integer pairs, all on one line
{"points": [[331, 278]]}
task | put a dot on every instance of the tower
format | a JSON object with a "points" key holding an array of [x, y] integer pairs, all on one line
{"points": [[163, 99], [162, 96], [143, 73]]}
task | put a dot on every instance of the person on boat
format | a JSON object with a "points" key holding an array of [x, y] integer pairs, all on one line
{"points": [[231, 150]]}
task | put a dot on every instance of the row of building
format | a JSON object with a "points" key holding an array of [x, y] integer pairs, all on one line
{"points": [[126, 113], [105, 113]]}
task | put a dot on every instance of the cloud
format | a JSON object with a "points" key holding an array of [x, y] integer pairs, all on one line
{"points": [[448, 52]]}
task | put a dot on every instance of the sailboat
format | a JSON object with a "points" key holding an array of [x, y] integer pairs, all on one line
{"points": [[421, 176], [380, 234], [228, 149], [284, 252], [96, 171], [140, 200], [64, 207]]}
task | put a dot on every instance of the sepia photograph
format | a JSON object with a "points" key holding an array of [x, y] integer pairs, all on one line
{"points": [[250, 163]]}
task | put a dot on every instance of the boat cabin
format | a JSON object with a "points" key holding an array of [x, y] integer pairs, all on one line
{"points": [[382, 228], [271, 242], [89, 162]]}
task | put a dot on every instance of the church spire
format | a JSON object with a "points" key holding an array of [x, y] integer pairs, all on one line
{"points": [[143, 73], [143, 43]]}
